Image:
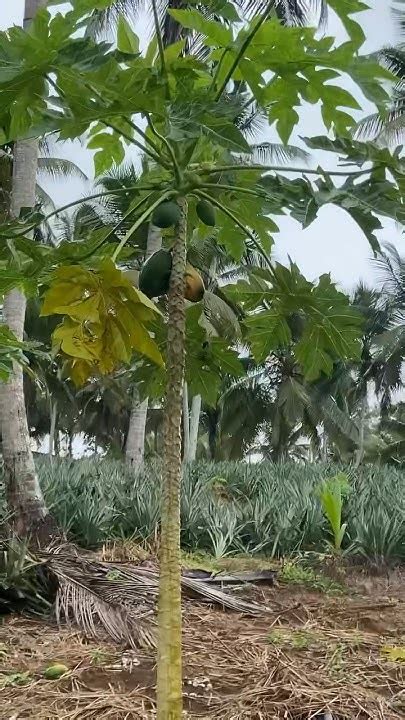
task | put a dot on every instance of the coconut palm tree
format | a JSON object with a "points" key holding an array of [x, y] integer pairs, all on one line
{"points": [[19, 188], [291, 12], [23, 492], [388, 128]]}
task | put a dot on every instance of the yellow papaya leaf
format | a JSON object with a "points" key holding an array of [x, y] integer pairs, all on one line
{"points": [[80, 371], [138, 297], [69, 336], [118, 342], [112, 277], [87, 309], [76, 275], [145, 345], [62, 294], [125, 316], [104, 321], [393, 653]]}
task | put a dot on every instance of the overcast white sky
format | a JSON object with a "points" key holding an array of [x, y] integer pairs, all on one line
{"points": [[333, 243]]}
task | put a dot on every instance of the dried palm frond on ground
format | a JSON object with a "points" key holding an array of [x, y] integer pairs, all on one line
{"points": [[122, 597], [310, 653]]}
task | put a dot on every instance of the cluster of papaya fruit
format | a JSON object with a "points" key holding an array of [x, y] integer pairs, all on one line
{"points": [[154, 278], [168, 214]]}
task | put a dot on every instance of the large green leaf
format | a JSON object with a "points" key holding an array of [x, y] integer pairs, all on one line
{"points": [[214, 32], [317, 321]]}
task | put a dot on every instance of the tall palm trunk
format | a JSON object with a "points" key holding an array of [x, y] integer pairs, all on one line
{"points": [[24, 497], [53, 416], [169, 670], [194, 427], [362, 425], [135, 445]]}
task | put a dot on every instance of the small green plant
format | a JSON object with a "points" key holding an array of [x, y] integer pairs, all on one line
{"points": [[12, 679], [295, 573], [297, 639], [332, 493], [99, 657], [336, 662]]}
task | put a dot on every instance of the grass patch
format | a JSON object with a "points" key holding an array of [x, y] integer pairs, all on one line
{"points": [[295, 573]]}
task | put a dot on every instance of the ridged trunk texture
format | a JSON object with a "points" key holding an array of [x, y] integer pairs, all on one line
{"points": [[24, 497], [169, 667], [135, 445]]}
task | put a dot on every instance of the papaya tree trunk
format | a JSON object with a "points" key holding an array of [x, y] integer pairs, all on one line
{"points": [[169, 666], [194, 427], [135, 445]]}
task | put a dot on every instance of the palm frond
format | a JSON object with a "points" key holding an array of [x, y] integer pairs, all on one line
{"points": [[391, 276], [393, 58], [388, 127], [252, 120], [122, 598], [268, 152], [102, 22], [290, 12], [333, 415], [45, 199], [59, 167], [221, 316], [398, 16]]}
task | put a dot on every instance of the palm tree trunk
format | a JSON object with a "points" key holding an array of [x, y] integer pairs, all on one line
{"points": [[194, 427], [135, 446], [52, 427], [134, 451], [362, 423], [23, 493], [169, 667], [186, 424], [70, 444]]}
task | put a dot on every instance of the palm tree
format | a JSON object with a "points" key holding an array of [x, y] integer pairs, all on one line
{"points": [[19, 188], [389, 350], [388, 128], [24, 496], [291, 12]]}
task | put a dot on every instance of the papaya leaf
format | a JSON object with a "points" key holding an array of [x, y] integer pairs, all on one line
{"points": [[104, 319], [215, 33], [127, 40]]}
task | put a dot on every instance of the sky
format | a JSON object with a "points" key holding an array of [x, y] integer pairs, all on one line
{"points": [[333, 243]]}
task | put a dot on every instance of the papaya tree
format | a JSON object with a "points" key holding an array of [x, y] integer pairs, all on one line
{"points": [[179, 111]]}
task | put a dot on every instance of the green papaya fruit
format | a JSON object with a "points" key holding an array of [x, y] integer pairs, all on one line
{"points": [[55, 671], [166, 214], [154, 277], [206, 212], [194, 285]]}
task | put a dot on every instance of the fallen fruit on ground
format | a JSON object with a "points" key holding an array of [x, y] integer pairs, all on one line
{"points": [[54, 672]]}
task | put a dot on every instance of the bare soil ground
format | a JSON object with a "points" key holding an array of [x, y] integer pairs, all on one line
{"points": [[311, 653]]}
